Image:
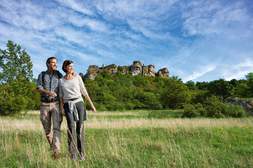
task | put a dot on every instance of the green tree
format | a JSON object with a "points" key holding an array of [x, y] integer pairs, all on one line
{"points": [[220, 88], [16, 80], [249, 78], [175, 95], [15, 64]]}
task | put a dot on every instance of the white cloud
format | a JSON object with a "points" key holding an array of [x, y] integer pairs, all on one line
{"points": [[196, 40], [201, 71], [239, 70], [76, 5], [213, 17]]}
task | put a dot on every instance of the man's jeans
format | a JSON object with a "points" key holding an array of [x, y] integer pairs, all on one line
{"points": [[49, 112]]}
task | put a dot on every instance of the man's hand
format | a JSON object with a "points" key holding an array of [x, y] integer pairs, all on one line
{"points": [[53, 94]]}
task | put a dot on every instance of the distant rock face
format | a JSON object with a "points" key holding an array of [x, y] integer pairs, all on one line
{"points": [[110, 69], [123, 69], [246, 104], [137, 68], [164, 73], [92, 72], [148, 70]]}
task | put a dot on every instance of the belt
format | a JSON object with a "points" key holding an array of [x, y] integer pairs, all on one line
{"points": [[49, 100], [73, 99]]}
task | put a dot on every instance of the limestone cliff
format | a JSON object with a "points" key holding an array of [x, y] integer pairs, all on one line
{"points": [[137, 68]]}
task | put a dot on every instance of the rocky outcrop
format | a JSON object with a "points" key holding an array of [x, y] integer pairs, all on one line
{"points": [[110, 69], [148, 70], [123, 70], [92, 72], [164, 73], [137, 68], [247, 104]]}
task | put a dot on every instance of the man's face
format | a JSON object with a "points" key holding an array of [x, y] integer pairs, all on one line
{"points": [[52, 64]]}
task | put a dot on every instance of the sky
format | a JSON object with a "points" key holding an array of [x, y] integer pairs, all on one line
{"points": [[199, 40]]}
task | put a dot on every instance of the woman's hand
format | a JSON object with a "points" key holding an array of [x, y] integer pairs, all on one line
{"points": [[94, 109]]}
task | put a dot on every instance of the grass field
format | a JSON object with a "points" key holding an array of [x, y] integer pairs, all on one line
{"points": [[133, 139]]}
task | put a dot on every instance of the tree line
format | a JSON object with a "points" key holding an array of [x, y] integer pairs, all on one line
{"points": [[123, 92]]}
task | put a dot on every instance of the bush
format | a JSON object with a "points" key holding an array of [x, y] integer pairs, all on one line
{"points": [[194, 110], [215, 107], [234, 111], [10, 104], [175, 95]]}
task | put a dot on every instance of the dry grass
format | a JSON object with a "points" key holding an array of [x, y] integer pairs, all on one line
{"points": [[33, 124]]}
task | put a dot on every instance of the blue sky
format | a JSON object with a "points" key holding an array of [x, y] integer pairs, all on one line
{"points": [[199, 40]]}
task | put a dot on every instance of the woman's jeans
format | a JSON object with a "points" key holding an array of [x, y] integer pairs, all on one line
{"points": [[75, 130]]}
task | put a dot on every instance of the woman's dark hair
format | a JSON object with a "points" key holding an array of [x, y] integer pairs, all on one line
{"points": [[66, 63]]}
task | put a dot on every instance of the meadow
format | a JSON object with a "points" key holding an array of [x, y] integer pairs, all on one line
{"points": [[133, 139]]}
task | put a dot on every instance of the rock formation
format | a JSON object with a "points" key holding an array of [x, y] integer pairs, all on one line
{"points": [[92, 72], [110, 69], [137, 68], [123, 70], [164, 73], [148, 70]]}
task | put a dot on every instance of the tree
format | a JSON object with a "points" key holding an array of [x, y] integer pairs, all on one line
{"points": [[175, 95], [191, 85], [249, 78], [16, 80], [220, 88], [15, 64]]}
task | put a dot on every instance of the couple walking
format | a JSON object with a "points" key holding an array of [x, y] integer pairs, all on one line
{"points": [[63, 94]]}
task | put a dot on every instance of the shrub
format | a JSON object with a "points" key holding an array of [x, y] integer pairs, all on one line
{"points": [[215, 107], [194, 110], [189, 111], [234, 111]]}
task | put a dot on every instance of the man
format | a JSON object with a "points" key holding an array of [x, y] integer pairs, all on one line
{"points": [[48, 86]]}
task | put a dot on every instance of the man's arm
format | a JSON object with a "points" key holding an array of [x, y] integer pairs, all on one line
{"points": [[40, 88]]}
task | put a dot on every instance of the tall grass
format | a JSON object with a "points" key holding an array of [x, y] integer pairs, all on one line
{"points": [[145, 143]]}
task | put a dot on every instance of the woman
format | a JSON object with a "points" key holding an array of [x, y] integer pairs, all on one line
{"points": [[71, 91]]}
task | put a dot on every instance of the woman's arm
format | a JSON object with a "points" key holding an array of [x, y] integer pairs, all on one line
{"points": [[87, 97], [85, 93]]}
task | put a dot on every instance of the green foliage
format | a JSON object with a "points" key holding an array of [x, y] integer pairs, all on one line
{"points": [[161, 114], [126, 92], [16, 87], [234, 111], [213, 107], [194, 110], [249, 78], [220, 88], [15, 64], [175, 95]]}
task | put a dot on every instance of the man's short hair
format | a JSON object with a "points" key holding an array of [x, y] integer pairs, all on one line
{"points": [[49, 60]]}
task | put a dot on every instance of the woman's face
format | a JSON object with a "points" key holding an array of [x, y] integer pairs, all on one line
{"points": [[69, 68]]}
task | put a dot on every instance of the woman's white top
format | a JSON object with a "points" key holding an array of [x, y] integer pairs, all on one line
{"points": [[72, 89]]}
